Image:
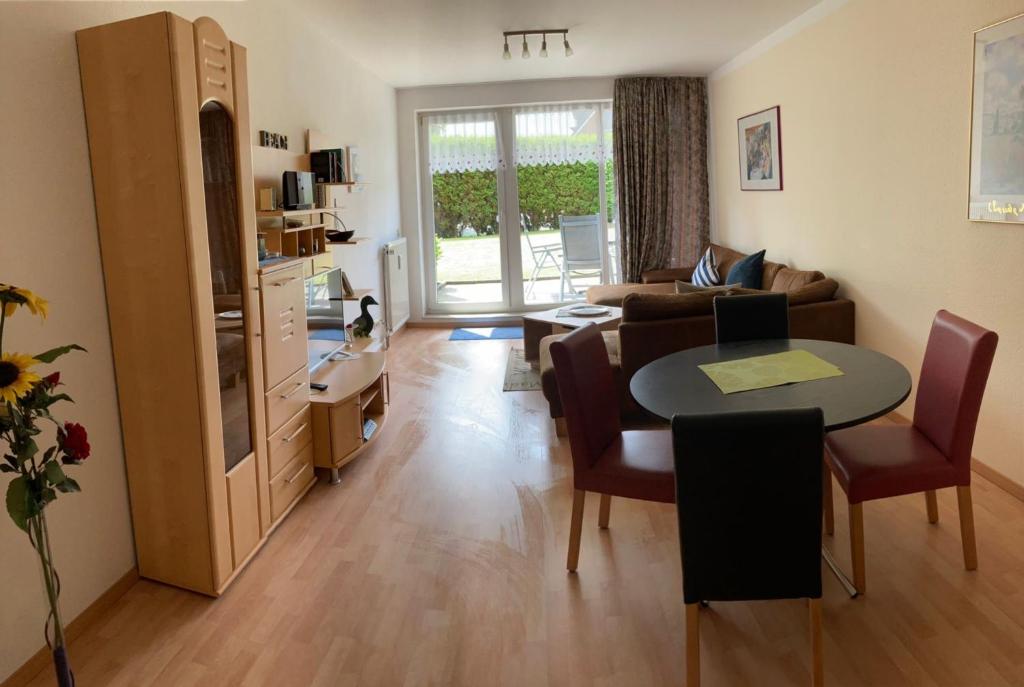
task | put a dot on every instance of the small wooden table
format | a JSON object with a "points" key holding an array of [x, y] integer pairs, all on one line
{"points": [[537, 325]]}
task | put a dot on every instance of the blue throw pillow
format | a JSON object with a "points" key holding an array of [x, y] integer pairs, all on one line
{"points": [[706, 272], [747, 272]]}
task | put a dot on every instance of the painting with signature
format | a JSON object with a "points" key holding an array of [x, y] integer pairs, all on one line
{"points": [[760, 151], [997, 124]]}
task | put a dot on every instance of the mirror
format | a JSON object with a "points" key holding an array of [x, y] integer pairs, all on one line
{"points": [[226, 268]]}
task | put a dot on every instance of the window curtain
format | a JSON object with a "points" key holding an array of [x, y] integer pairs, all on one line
{"points": [[559, 134], [660, 139], [464, 142]]}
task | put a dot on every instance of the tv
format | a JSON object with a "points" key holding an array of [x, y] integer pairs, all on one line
{"points": [[297, 190]]}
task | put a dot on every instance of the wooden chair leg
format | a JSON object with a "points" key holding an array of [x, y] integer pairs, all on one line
{"points": [[692, 645], [560, 429], [575, 529], [963, 497], [933, 506], [857, 546], [817, 659], [605, 512], [826, 500]]}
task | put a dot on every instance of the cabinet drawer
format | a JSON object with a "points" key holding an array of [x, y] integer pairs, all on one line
{"points": [[295, 477], [286, 399], [289, 440], [284, 324]]}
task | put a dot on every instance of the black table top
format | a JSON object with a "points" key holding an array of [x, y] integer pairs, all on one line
{"points": [[872, 383]]}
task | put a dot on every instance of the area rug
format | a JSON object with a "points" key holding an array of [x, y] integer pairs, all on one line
{"points": [[519, 374], [485, 333]]}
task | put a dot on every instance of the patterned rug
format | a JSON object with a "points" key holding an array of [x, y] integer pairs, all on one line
{"points": [[519, 374]]}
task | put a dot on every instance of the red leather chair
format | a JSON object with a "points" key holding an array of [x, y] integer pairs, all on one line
{"points": [[876, 461], [632, 464]]}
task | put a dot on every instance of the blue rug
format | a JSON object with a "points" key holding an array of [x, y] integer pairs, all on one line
{"points": [[327, 334], [486, 333]]}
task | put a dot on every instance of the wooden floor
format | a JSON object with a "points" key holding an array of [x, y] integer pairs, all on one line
{"points": [[440, 560]]}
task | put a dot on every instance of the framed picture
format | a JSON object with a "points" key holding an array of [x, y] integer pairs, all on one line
{"points": [[997, 124], [760, 142]]}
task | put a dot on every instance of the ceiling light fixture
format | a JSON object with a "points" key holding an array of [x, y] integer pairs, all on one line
{"points": [[543, 33]]}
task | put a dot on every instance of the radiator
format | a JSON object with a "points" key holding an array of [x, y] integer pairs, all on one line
{"points": [[396, 285]]}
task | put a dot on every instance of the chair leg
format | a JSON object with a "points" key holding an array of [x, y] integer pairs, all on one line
{"points": [[963, 497], [826, 500], [857, 546], [605, 512], [575, 529], [933, 506], [817, 660], [692, 645]]}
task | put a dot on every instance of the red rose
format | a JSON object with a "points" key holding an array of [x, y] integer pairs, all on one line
{"points": [[52, 379], [75, 441]]}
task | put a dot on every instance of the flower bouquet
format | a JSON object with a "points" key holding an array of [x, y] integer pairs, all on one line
{"points": [[26, 400]]}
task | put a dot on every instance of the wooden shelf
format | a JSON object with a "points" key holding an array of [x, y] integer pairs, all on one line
{"points": [[265, 214], [357, 295], [346, 378], [351, 242], [366, 398], [301, 227]]}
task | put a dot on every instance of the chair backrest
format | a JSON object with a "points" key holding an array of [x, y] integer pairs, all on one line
{"points": [[586, 387], [748, 493], [581, 239], [751, 316], [953, 377]]}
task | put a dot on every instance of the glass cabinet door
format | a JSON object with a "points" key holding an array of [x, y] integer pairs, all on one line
{"points": [[226, 268]]}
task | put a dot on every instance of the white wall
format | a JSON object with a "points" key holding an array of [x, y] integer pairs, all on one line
{"points": [[414, 100], [875, 114], [298, 78]]}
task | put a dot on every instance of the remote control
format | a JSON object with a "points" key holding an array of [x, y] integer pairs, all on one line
{"points": [[319, 386]]}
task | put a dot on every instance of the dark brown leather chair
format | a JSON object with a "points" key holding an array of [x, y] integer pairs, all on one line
{"points": [[749, 501], [751, 316], [605, 459], [880, 461]]}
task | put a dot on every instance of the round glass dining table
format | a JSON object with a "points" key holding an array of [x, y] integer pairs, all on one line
{"points": [[872, 384]]}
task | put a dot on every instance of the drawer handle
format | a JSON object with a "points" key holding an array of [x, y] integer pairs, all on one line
{"points": [[298, 385], [291, 480], [285, 282], [291, 437]]}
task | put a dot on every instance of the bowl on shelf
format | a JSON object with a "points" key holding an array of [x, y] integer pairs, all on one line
{"points": [[338, 236]]}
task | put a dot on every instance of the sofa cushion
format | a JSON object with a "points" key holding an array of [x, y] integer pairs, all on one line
{"points": [[648, 307], [749, 271], [727, 257], [706, 271], [612, 294], [814, 292], [790, 280], [687, 287]]}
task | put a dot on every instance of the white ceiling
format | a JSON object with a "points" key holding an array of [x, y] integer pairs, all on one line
{"points": [[422, 42]]}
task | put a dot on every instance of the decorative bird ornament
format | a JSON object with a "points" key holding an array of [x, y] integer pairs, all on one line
{"points": [[362, 326]]}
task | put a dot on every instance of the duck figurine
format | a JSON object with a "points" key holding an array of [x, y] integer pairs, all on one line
{"points": [[362, 326]]}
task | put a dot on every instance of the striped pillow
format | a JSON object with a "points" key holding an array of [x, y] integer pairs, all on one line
{"points": [[706, 272]]}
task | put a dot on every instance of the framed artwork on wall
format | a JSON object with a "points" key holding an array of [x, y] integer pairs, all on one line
{"points": [[997, 124], [760, 143]]}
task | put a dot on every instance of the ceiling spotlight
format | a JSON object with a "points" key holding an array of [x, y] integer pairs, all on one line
{"points": [[543, 33]]}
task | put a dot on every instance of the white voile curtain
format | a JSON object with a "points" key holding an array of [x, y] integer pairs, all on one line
{"points": [[464, 142], [559, 134]]}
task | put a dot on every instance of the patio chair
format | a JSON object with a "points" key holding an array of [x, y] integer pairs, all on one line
{"points": [[542, 255], [581, 249]]}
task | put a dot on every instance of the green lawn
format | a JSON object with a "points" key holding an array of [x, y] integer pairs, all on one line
{"points": [[478, 258]]}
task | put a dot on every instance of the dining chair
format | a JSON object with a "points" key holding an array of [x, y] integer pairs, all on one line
{"points": [[751, 316], [748, 494], [635, 464], [934, 452], [581, 249]]}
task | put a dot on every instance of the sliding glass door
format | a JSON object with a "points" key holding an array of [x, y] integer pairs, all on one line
{"points": [[518, 230]]}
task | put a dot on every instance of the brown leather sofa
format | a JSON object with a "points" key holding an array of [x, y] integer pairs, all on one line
{"points": [[656, 321]]}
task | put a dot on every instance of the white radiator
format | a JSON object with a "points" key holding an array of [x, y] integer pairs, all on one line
{"points": [[396, 285]]}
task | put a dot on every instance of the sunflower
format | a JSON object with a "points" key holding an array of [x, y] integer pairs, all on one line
{"points": [[12, 297], [15, 378]]}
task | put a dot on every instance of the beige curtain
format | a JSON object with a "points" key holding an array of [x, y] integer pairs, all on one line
{"points": [[661, 172]]}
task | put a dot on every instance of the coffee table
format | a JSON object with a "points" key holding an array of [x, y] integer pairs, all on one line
{"points": [[537, 325]]}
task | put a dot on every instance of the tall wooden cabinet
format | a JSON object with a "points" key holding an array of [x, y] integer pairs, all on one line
{"points": [[166, 104]]}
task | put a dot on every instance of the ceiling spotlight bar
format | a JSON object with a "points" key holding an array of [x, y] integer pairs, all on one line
{"points": [[543, 33]]}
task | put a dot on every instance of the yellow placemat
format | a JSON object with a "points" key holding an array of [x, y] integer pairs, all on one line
{"points": [[764, 371]]}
